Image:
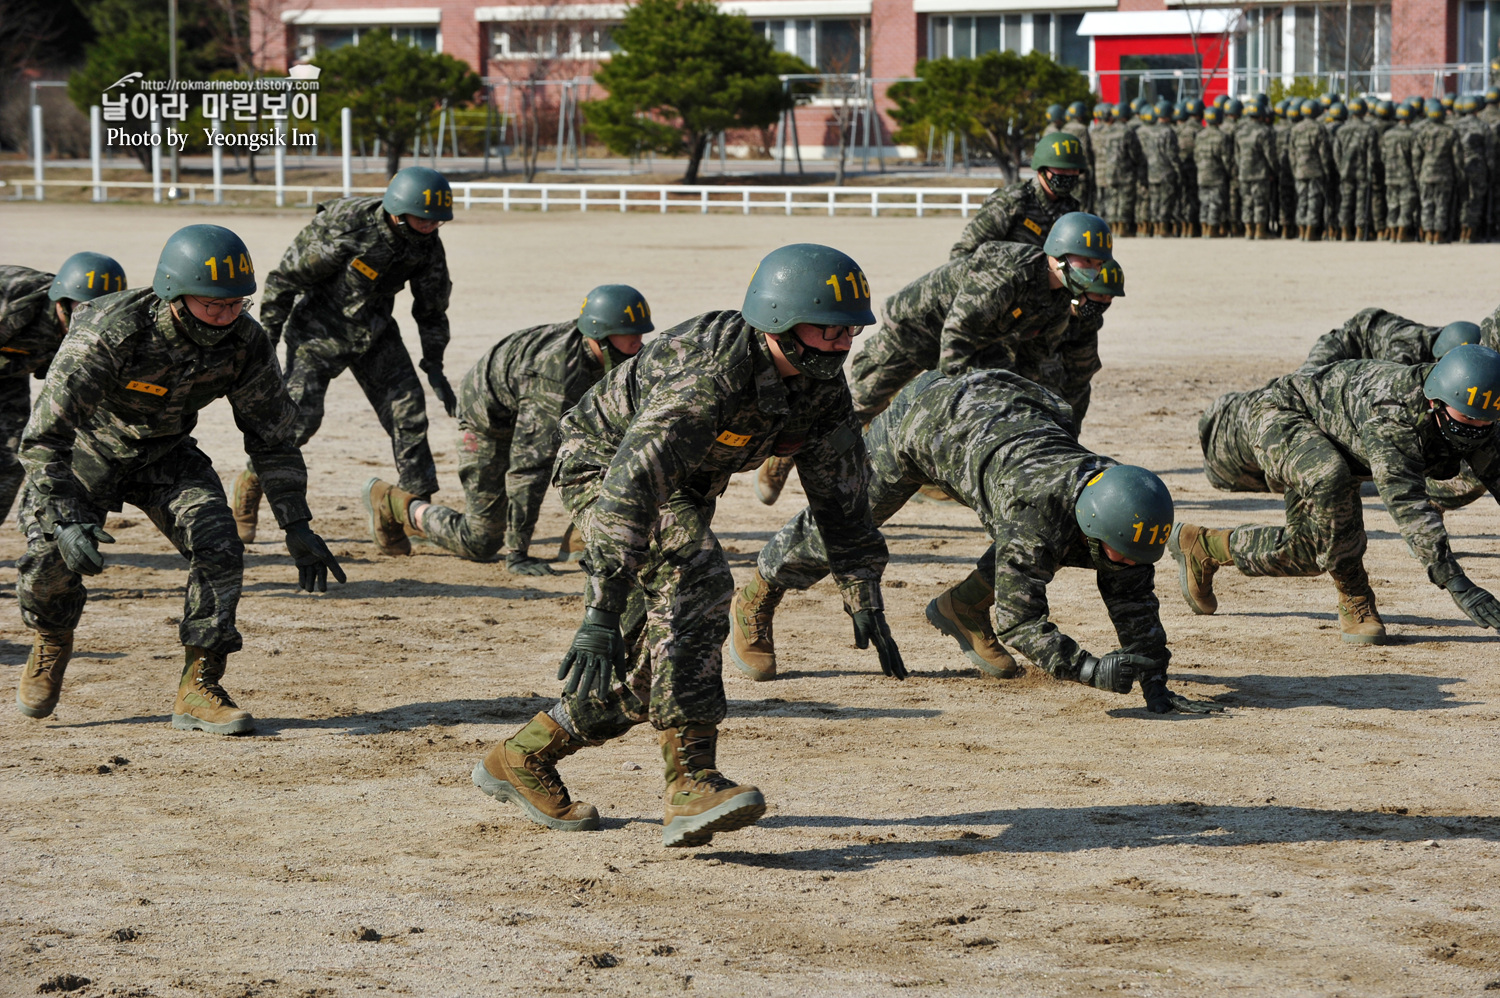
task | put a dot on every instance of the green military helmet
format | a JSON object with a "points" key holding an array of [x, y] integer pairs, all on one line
{"points": [[1447, 100], [1311, 108], [1454, 334], [1221, 102], [1358, 107], [1179, 111], [1403, 112], [1492, 95], [1119, 112], [1102, 110], [1136, 103], [614, 310], [1079, 234], [1468, 104], [1434, 110], [205, 260], [1055, 115], [806, 282], [1211, 115], [1111, 281], [1233, 108], [1147, 115], [1337, 111], [86, 276], [420, 192], [1077, 111], [1331, 98], [1468, 379], [1385, 110], [1128, 508], [1280, 108], [1059, 151], [1194, 108], [1164, 109]]}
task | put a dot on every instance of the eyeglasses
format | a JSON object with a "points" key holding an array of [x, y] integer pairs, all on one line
{"points": [[832, 334], [219, 306]]}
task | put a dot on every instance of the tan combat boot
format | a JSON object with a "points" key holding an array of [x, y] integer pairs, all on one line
{"points": [[202, 703], [968, 623], [752, 648], [1199, 553], [1359, 622], [700, 800], [572, 547], [523, 770], [771, 479], [1347, 235], [247, 493], [387, 506], [41, 680]]}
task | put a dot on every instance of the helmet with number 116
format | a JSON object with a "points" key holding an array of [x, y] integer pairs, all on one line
{"points": [[806, 282], [1129, 509], [419, 192]]}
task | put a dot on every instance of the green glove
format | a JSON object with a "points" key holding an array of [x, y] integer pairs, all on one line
{"points": [[520, 563], [597, 654], [314, 560], [79, 544]]}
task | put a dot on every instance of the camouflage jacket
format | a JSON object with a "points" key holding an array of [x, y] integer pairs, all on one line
{"points": [[1435, 154], [1016, 213], [700, 403], [124, 393], [1476, 146], [1311, 153], [347, 264], [1067, 365], [1396, 149], [975, 311], [29, 331], [1352, 150], [1377, 414], [520, 389], [1214, 153], [1119, 155], [1159, 144], [1374, 334], [1081, 132], [1006, 448], [1187, 141], [1254, 152]]}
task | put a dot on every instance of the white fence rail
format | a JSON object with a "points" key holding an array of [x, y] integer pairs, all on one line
{"points": [[590, 197]]}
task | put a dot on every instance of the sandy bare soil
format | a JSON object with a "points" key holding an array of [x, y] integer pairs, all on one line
{"points": [[1334, 833]]}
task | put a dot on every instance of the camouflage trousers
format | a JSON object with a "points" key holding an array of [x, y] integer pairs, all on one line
{"points": [[15, 409], [1119, 204], [317, 352], [674, 626], [1235, 200], [1312, 198], [1437, 207], [1162, 206], [1475, 205], [1256, 207], [880, 370], [184, 498], [1355, 205], [479, 531], [1187, 200], [1286, 192], [1403, 207], [1213, 203]]}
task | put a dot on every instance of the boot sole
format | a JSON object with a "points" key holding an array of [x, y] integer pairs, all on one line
{"points": [[762, 496], [745, 667], [1174, 548], [1364, 639], [30, 711], [502, 790], [942, 623], [738, 812], [375, 523], [187, 722]]}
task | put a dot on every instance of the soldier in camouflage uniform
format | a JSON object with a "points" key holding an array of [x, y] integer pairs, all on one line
{"points": [[1142, 176], [1255, 166], [1312, 168], [1067, 368], [1006, 448], [1381, 119], [1213, 153], [1119, 155], [1334, 118], [333, 295], [111, 425], [1403, 204], [977, 311], [510, 405], [1286, 184], [1355, 157], [1189, 124], [1024, 212], [34, 312], [644, 457], [1232, 111], [1476, 143], [1435, 156], [1159, 143], [1315, 437], [1077, 125]]}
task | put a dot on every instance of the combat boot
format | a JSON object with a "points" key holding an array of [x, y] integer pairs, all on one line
{"points": [[968, 623], [1361, 235], [523, 770], [700, 800], [572, 547], [1290, 231], [387, 508], [1359, 621], [752, 648], [771, 479], [1315, 233], [202, 703], [1199, 553], [247, 493], [42, 679], [1465, 234]]}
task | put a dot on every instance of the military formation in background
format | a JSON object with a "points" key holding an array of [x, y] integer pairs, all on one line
{"points": [[1355, 170]]}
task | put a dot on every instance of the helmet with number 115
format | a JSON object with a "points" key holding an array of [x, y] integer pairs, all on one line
{"points": [[86, 276], [614, 310], [1129, 509], [420, 192]]}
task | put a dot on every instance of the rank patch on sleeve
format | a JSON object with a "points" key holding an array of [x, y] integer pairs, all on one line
{"points": [[1032, 225], [147, 387], [364, 268], [1016, 314], [729, 439], [13, 350]]}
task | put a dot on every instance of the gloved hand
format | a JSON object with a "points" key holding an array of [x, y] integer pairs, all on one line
{"points": [[1479, 604], [1160, 700], [439, 383], [314, 560], [870, 625], [1115, 672], [597, 654], [520, 563], [79, 544]]}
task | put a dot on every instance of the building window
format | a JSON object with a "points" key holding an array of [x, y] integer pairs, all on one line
{"points": [[829, 44], [1073, 48], [1348, 46], [311, 41], [1041, 33], [1478, 38], [551, 40]]}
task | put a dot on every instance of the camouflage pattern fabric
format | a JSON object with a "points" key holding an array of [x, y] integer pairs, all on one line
{"points": [[1312, 166], [333, 294], [1378, 212], [30, 334], [1119, 156], [644, 457], [510, 407], [15, 409], [1476, 145], [1187, 170], [1286, 185], [1007, 449], [1016, 213], [1314, 437], [1212, 154], [112, 424], [1142, 184], [1255, 165], [1087, 187], [1354, 158], [1373, 334], [1435, 156], [972, 312], [1065, 367], [1403, 204], [1159, 144]]}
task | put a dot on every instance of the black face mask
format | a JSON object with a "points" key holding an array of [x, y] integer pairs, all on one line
{"points": [[1102, 561], [1461, 436], [821, 365], [1063, 183], [405, 231], [1087, 308], [612, 355], [203, 333]]}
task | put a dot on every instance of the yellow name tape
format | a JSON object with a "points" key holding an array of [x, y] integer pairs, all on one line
{"points": [[1032, 225], [1016, 314], [364, 268], [733, 439], [147, 387]]}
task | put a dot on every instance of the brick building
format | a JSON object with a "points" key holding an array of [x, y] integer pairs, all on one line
{"points": [[1129, 47]]}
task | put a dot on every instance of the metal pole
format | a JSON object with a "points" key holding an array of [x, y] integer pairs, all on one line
{"points": [[489, 110], [96, 150], [453, 133], [781, 142], [562, 105], [723, 159], [441, 133], [37, 150], [796, 139], [346, 122], [155, 158], [172, 192], [218, 154], [1348, 33], [280, 159]]}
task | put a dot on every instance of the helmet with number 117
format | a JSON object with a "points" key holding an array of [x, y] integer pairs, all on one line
{"points": [[1059, 151]]}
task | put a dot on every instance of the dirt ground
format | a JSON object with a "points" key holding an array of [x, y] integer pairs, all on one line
{"points": [[1335, 832]]}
